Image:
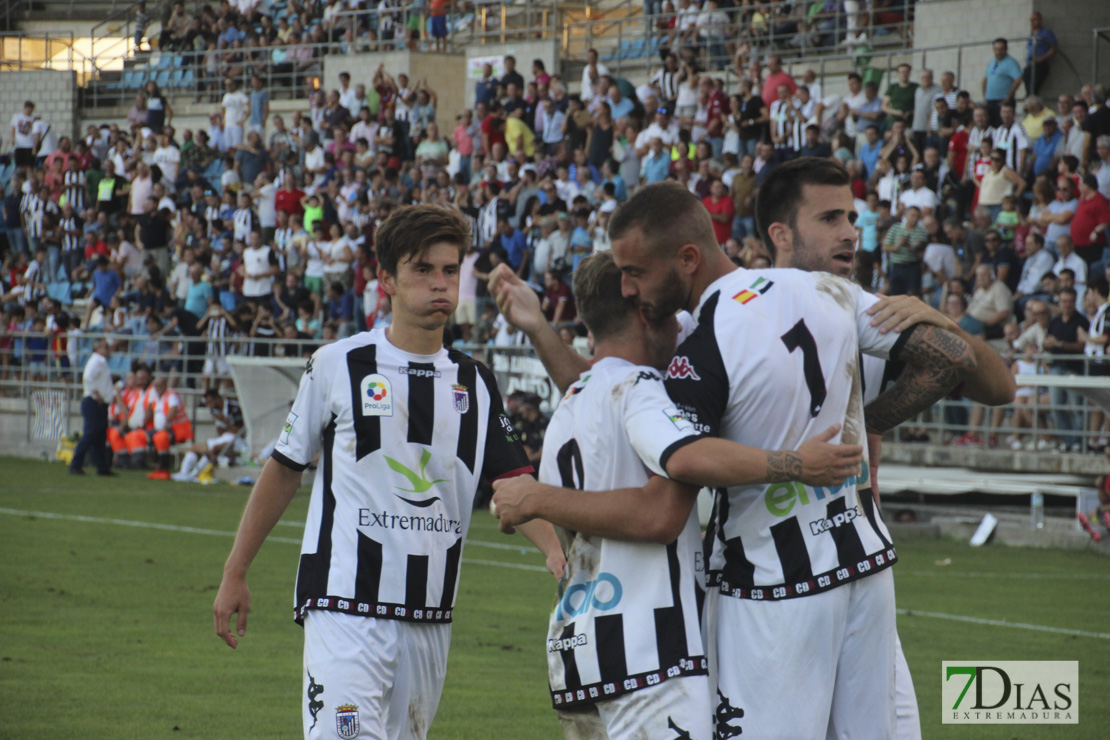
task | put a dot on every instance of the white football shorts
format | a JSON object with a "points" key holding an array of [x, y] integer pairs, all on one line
{"points": [[819, 666], [677, 708], [371, 678]]}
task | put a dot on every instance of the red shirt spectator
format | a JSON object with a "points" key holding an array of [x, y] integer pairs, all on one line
{"points": [[771, 85], [289, 200], [957, 150], [721, 210], [1092, 213], [495, 136]]}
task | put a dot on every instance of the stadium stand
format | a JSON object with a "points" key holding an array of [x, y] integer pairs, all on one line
{"points": [[231, 181]]}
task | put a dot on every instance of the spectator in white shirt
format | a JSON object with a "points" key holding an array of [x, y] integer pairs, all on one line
{"points": [[236, 108], [918, 195]]}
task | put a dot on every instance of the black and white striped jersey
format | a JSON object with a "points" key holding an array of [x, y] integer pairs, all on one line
{"points": [[403, 440], [774, 361], [627, 613], [75, 189]]}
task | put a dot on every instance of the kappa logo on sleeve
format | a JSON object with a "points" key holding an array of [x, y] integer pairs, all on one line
{"points": [[681, 369]]}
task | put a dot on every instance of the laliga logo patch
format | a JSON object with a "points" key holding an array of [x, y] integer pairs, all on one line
{"points": [[290, 421], [377, 396], [346, 720], [681, 368]]}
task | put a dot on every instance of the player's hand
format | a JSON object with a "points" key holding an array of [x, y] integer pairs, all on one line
{"points": [[825, 464], [900, 312], [233, 598], [516, 300], [556, 564], [510, 501], [874, 452]]}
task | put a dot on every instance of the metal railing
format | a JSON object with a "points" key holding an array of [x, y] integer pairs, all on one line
{"points": [[1039, 423], [630, 42], [47, 50]]}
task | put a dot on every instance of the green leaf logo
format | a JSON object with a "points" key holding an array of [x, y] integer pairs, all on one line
{"points": [[419, 482]]}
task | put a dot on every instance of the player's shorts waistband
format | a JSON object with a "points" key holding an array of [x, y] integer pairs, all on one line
{"points": [[821, 582], [592, 693], [402, 612]]}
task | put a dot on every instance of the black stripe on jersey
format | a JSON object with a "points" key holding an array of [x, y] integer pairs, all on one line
{"points": [[422, 402], [892, 370], [416, 581], [790, 544], [611, 662], [700, 356], [467, 448], [451, 574], [737, 569], [867, 501], [849, 548], [571, 679], [670, 626], [312, 573], [368, 577], [362, 361], [896, 350]]}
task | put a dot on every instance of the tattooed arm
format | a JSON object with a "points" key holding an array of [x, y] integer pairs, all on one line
{"points": [[717, 463], [936, 362], [658, 511]]}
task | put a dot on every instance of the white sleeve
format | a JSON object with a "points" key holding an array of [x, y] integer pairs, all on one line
{"points": [[871, 340], [301, 437], [652, 420]]}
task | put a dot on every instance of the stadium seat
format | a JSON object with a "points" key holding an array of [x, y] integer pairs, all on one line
{"points": [[163, 78]]}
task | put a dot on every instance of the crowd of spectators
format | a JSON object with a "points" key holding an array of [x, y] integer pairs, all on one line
{"points": [[204, 243]]}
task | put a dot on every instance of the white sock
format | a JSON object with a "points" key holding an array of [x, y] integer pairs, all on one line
{"points": [[188, 463]]}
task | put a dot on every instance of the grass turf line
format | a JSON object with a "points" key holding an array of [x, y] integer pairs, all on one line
{"points": [[106, 631]]}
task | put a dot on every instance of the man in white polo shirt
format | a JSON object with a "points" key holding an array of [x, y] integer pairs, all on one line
{"points": [[97, 382]]}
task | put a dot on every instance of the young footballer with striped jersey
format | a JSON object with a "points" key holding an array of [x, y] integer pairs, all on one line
{"points": [[404, 430]]}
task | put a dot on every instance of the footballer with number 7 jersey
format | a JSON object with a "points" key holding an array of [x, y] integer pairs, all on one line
{"points": [[801, 600], [405, 430], [625, 656]]}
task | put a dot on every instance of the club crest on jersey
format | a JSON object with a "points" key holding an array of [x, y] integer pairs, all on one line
{"points": [[346, 720], [681, 369], [290, 421], [376, 395], [756, 289], [461, 398]]}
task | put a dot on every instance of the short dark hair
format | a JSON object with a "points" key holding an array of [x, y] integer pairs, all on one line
{"points": [[409, 231], [668, 215], [212, 393], [597, 295], [780, 195], [1070, 291], [1002, 40]]}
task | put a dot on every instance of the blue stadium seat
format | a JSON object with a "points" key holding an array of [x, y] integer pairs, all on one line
{"points": [[163, 78], [133, 79]]}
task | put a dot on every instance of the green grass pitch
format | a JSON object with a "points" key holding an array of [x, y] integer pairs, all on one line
{"points": [[106, 627]]}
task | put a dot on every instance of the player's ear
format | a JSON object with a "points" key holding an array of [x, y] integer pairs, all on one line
{"points": [[387, 281], [782, 237], [688, 258]]}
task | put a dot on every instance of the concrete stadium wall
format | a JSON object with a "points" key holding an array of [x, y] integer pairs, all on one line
{"points": [[940, 22], [524, 51], [1072, 22], [54, 95], [446, 75]]}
